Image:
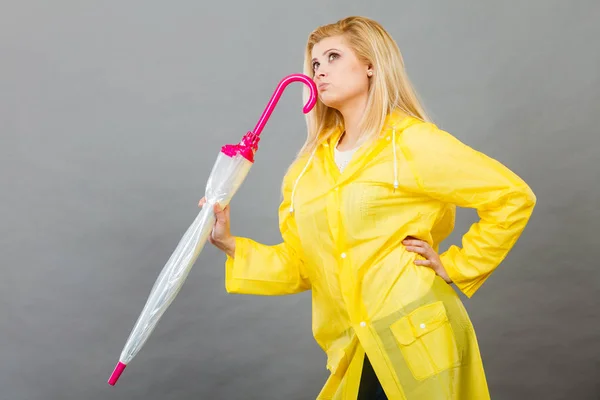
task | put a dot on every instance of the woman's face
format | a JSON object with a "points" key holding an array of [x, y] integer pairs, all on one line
{"points": [[338, 73]]}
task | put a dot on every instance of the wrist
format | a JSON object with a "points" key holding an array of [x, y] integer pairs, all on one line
{"points": [[228, 246], [441, 271]]}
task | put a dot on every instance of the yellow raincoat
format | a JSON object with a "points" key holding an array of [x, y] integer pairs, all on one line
{"points": [[342, 235]]}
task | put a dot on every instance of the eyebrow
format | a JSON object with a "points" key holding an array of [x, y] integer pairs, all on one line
{"points": [[325, 52]]}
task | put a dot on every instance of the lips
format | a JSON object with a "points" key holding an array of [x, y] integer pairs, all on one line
{"points": [[322, 86]]}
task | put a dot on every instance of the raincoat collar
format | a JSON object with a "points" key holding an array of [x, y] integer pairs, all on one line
{"points": [[393, 120], [394, 123]]}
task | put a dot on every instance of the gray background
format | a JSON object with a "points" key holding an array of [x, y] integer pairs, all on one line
{"points": [[112, 113]]}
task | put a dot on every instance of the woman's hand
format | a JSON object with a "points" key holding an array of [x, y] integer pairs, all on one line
{"points": [[220, 235], [432, 258]]}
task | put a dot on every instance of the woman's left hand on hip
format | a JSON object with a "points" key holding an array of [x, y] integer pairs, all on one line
{"points": [[432, 259]]}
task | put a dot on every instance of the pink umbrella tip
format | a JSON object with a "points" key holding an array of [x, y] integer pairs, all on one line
{"points": [[116, 373]]}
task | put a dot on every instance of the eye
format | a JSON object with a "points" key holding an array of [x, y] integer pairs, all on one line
{"points": [[333, 56], [315, 65]]}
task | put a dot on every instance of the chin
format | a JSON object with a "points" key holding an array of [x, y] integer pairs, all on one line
{"points": [[330, 101]]}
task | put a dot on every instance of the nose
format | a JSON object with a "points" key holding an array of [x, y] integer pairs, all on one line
{"points": [[321, 73]]}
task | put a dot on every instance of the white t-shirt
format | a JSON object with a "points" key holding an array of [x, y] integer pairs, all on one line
{"points": [[342, 158]]}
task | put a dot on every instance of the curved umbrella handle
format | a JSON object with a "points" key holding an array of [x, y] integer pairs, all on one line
{"points": [[249, 143], [277, 94]]}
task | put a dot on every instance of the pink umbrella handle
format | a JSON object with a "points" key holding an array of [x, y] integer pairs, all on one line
{"points": [[277, 95], [249, 144]]}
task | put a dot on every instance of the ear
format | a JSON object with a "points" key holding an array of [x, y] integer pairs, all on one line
{"points": [[369, 70]]}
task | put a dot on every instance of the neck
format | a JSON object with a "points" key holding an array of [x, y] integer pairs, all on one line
{"points": [[352, 113]]}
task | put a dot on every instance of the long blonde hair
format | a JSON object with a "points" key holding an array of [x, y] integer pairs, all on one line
{"points": [[390, 88]]}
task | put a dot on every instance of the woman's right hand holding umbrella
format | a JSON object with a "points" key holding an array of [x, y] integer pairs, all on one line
{"points": [[221, 236]]}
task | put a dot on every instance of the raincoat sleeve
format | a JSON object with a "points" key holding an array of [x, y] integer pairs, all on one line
{"points": [[450, 171], [269, 270]]}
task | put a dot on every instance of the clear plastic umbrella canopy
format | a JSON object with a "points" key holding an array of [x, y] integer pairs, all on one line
{"points": [[228, 173]]}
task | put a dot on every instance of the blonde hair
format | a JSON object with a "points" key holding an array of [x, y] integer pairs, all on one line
{"points": [[390, 88]]}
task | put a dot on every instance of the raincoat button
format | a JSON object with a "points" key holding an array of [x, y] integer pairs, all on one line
{"points": [[422, 326], [363, 324], [337, 188], [387, 138], [343, 255]]}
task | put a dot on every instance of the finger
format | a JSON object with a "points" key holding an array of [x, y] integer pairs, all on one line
{"points": [[220, 214], [425, 263], [417, 249], [414, 242], [202, 202], [226, 210], [220, 208]]}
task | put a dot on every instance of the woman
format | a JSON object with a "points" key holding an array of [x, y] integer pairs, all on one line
{"points": [[365, 206]]}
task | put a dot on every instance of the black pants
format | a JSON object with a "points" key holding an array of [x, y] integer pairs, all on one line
{"points": [[370, 388]]}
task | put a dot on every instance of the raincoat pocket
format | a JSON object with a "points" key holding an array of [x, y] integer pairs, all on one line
{"points": [[426, 340]]}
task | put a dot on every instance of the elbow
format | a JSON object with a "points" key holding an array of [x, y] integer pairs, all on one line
{"points": [[521, 207], [528, 194], [529, 198], [513, 209]]}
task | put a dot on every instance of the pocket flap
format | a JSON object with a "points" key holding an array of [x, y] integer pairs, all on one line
{"points": [[419, 322]]}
